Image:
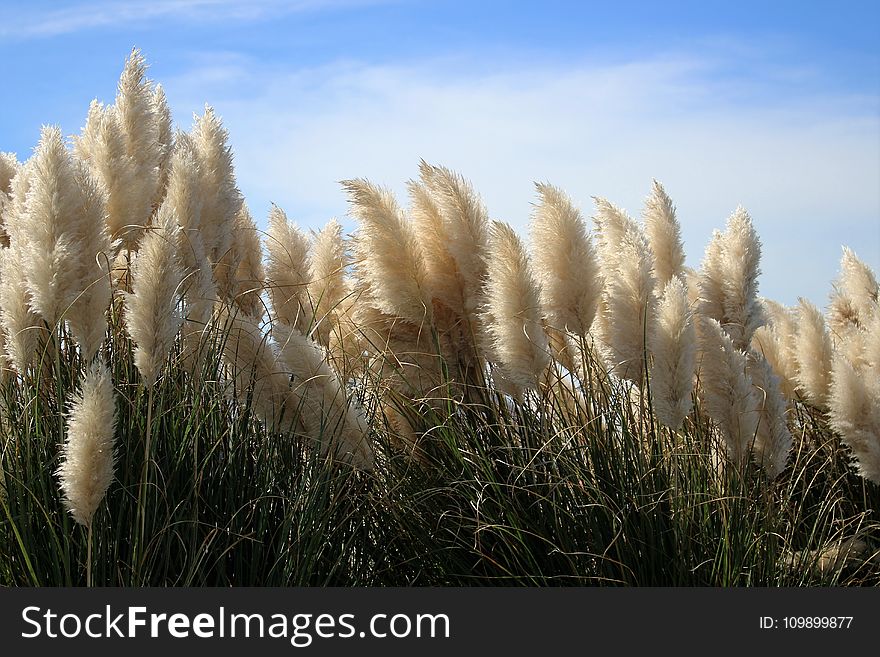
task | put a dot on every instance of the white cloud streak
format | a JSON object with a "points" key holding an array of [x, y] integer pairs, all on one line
{"points": [[26, 21]]}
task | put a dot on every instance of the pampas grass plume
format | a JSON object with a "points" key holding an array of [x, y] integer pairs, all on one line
{"points": [[673, 346], [8, 168], [153, 318], [441, 268], [664, 235], [329, 417], [86, 469], [517, 339], [566, 265], [328, 289], [287, 271], [255, 364], [467, 227], [389, 260], [728, 394], [813, 353], [741, 256], [854, 301], [629, 306], [221, 199], [776, 342], [22, 327], [772, 438], [855, 414]]}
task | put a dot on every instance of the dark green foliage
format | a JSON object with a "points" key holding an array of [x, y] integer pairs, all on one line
{"points": [[563, 489]]}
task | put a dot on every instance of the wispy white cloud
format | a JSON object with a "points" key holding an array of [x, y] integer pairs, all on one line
{"points": [[24, 20], [807, 169]]}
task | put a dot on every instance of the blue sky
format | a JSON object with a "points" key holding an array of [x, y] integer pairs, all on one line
{"points": [[772, 105]]}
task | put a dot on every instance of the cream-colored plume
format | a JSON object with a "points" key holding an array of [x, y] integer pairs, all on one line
{"points": [[813, 353], [239, 272], [153, 315], [287, 272], [467, 227], [165, 135], [330, 419], [776, 342], [8, 168], [566, 265], [441, 268], [729, 279], [328, 290], [102, 147], [664, 236], [855, 414], [772, 437], [674, 350], [388, 256], [91, 271], [854, 299], [728, 394], [22, 328], [86, 469], [255, 368], [612, 224], [138, 120], [629, 306], [63, 243], [221, 200], [518, 343]]}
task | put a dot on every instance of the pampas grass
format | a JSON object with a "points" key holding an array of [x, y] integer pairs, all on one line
{"points": [[813, 353], [664, 236], [466, 225], [429, 403], [673, 347], [287, 272], [86, 470], [8, 168], [239, 273], [728, 395], [102, 147], [612, 225], [331, 421], [729, 279], [776, 342], [154, 316], [518, 343], [328, 289], [629, 302], [772, 436], [220, 198], [22, 328], [165, 139], [388, 257], [63, 244], [854, 299], [566, 266], [855, 414], [256, 372]]}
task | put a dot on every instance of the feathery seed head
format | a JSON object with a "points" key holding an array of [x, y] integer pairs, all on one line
{"points": [[673, 347], [389, 260], [153, 316], [813, 354], [287, 271], [86, 469], [664, 235], [513, 312], [566, 265]]}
